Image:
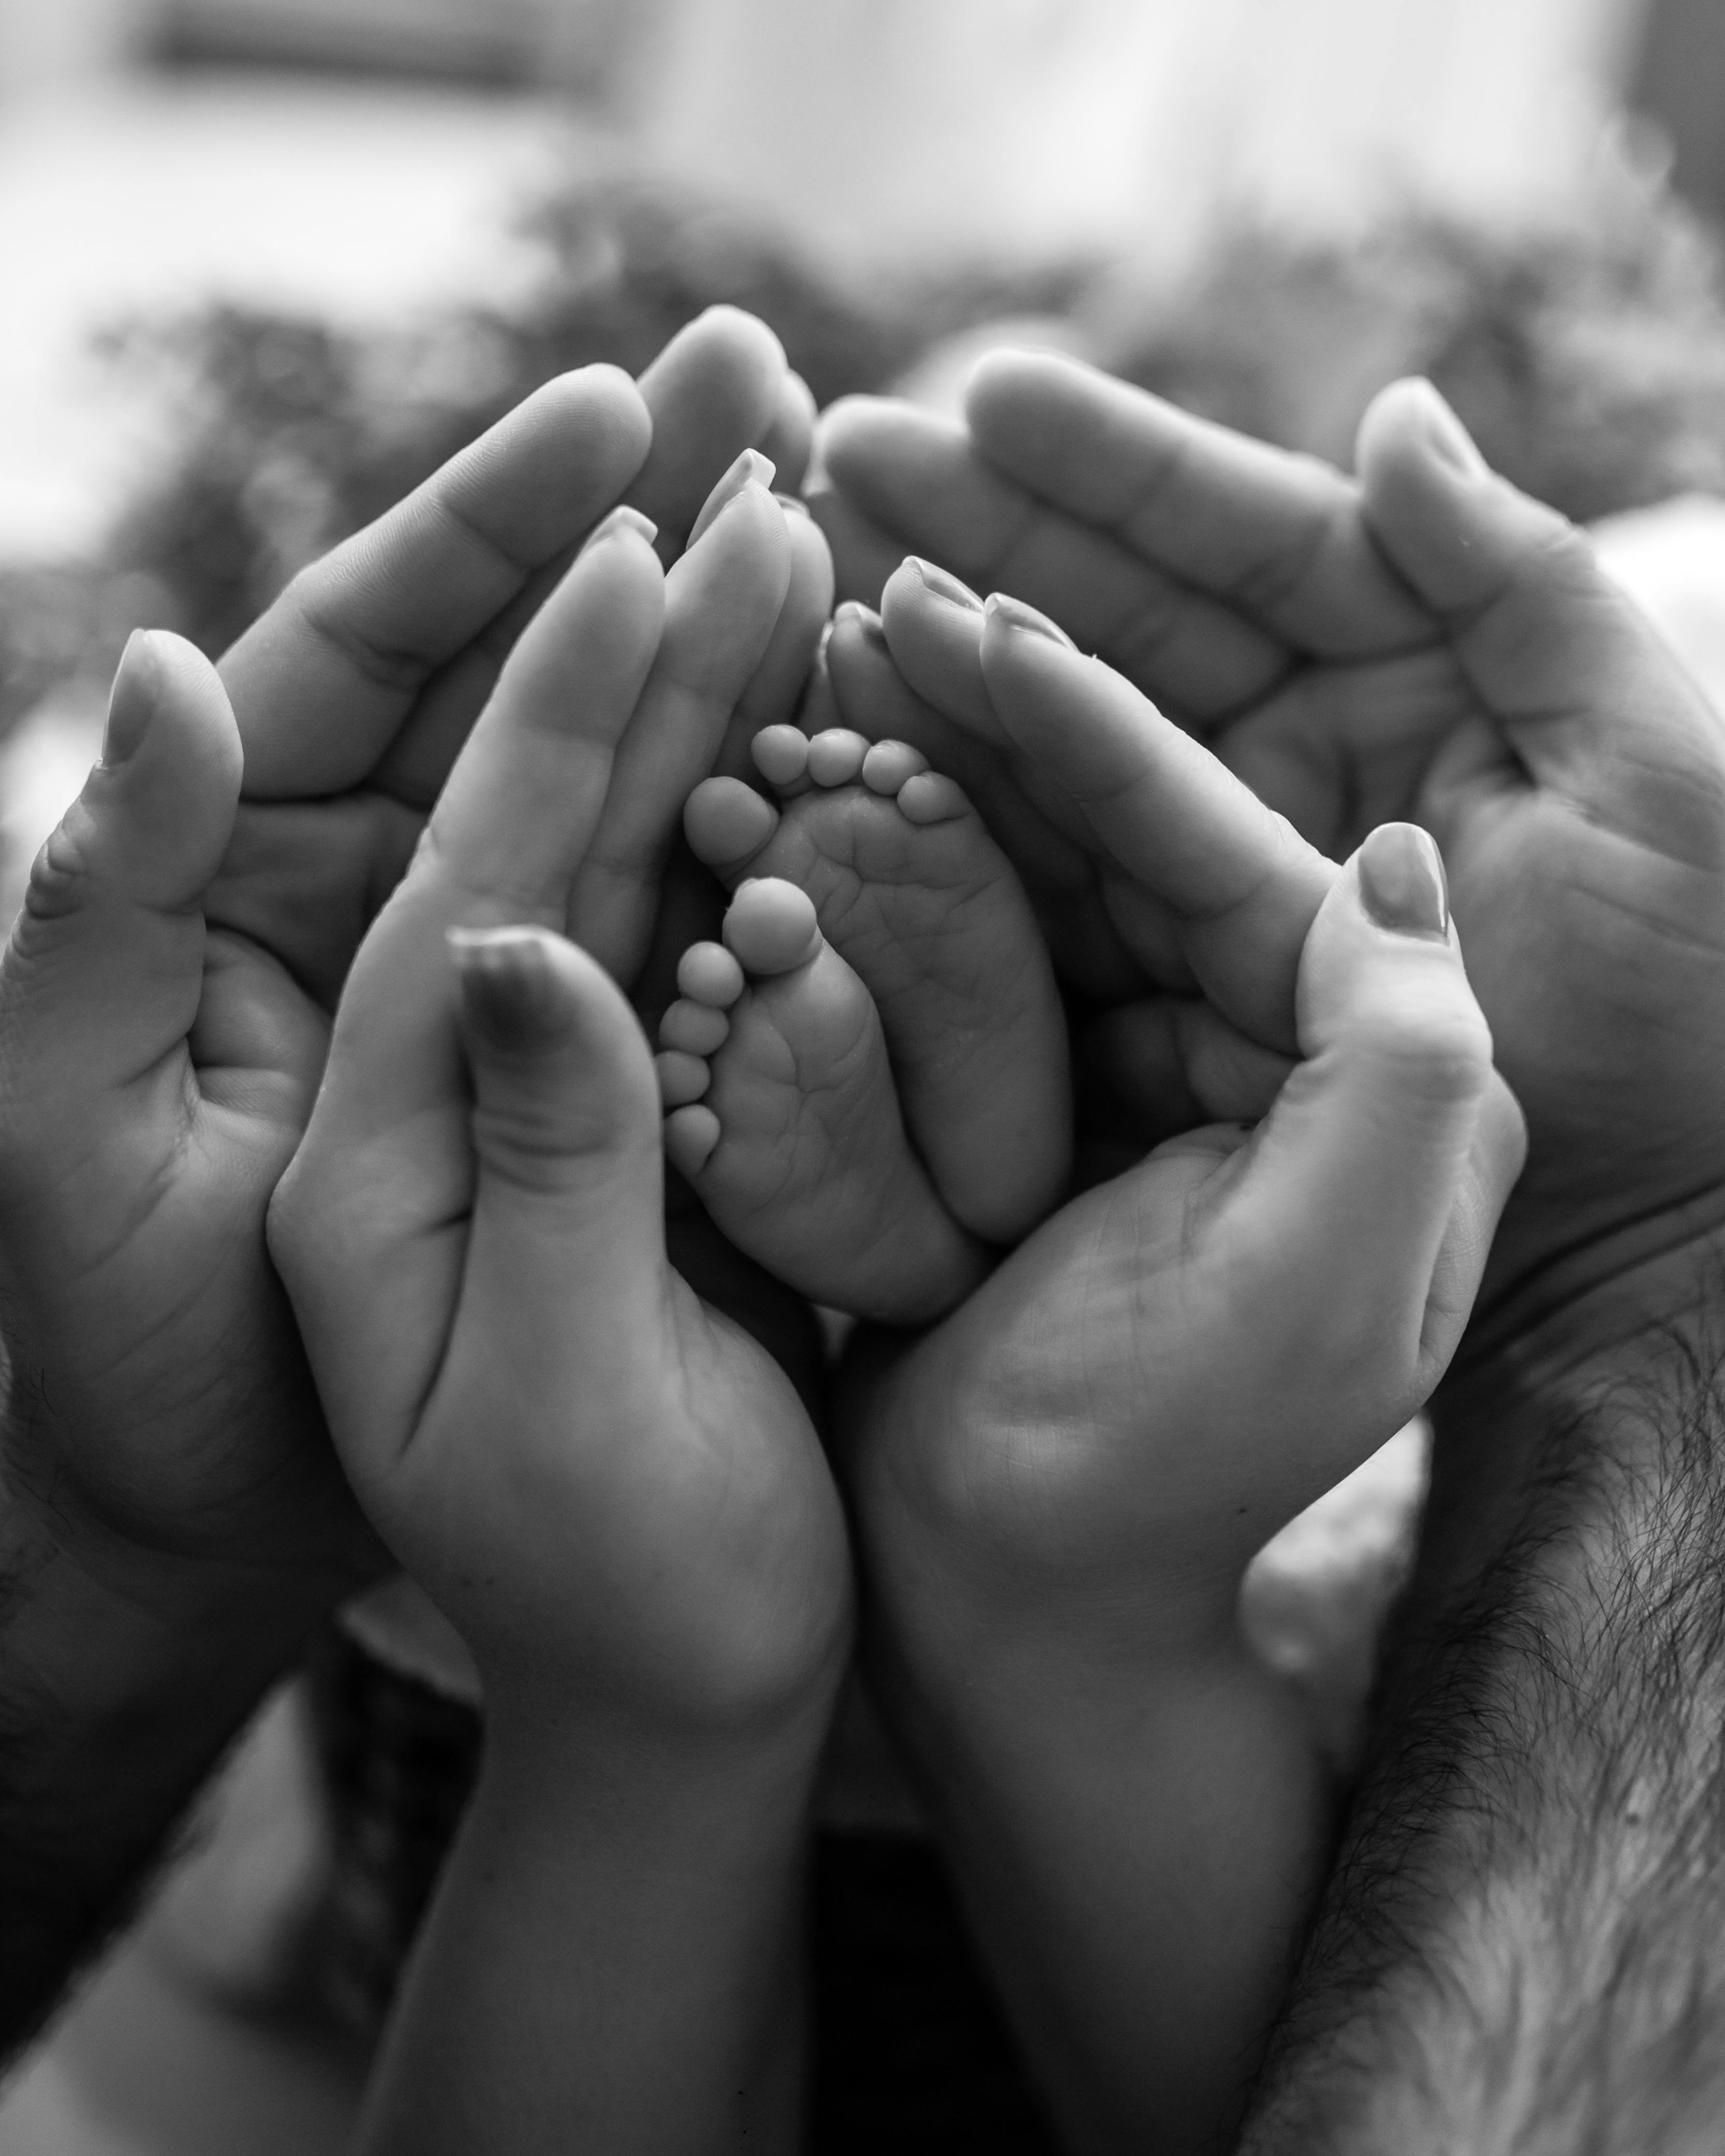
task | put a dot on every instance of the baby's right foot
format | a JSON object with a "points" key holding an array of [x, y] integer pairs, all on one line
{"points": [[782, 1115]]}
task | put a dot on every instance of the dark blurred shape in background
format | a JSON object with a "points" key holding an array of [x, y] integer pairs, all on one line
{"points": [[1679, 84]]}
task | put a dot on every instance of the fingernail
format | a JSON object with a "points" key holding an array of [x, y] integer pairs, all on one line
{"points": [[864, 619], [1017, 615], [1402, 884], [794, 506], [1445, 436], [621, 519], [509, 985], [944, 584], [131, 701], [750, 465]]}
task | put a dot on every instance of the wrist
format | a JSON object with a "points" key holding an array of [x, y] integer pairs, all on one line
{"points": [[1602, 1295], [1563, 1405], [640, 1781], [110, 1629]]}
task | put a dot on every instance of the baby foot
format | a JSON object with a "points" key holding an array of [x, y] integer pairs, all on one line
{"points": [[782, 1113], [913, 895]]}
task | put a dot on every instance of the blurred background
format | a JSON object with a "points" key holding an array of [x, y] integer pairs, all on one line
{"points": [[265, 263]]}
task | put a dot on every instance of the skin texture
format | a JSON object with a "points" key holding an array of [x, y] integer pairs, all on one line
{"points": [[918, 983], [1059, 1486], [609, 1487], [1422, 641], [174, 1522]]}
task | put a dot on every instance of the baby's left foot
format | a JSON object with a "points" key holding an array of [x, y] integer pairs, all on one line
{"points": [[780, 1113]]}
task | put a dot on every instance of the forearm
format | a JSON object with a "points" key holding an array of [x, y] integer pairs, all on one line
{"points": [[114, 1708], [1523, 1944], [1138, 1837], [613, 1959]]}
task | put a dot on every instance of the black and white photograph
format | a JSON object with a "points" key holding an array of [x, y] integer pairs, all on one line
{"points": [[862, 1077]]}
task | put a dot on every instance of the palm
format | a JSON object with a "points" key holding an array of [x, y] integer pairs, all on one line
{"points": [[1419, 644]]}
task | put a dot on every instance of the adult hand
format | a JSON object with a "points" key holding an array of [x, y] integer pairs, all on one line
{"points": [[1423, 642], [1059, 1488], [160, 1402]]}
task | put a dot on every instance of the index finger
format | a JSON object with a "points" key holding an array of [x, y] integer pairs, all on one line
{"points": [[321, 683], [1242, 886], [1277, 535], [918, 481]]}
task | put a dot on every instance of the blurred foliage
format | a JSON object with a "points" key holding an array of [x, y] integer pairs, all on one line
{"points": [[1589, 360]]}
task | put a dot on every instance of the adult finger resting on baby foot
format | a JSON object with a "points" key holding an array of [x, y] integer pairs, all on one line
{"points": [[1393, 1136], [723, 600], [1192, 840]]}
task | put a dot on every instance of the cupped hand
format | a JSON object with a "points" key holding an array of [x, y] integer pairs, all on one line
{"points": [[612, 1491], [1422, 642], [162, 1027], [1197, 1347]]}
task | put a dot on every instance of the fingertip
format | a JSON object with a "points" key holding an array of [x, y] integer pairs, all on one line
{"points": [[1400, 875], [514, 999], [749, 469], [1411, 420], [131, 700], [727, 329]]}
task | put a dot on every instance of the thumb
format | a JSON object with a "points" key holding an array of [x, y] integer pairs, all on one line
{"points": [[1586, 695], [1381, 1171], [105, 961], [568, 1237]]}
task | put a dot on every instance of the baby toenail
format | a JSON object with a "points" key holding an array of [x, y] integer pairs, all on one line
{"points": [[930, 798], [780, 754], [888, 763], [836, 757], [707, 973]]}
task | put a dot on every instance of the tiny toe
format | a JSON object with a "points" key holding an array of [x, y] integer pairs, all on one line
{"points": [[694, 1028], [931, 798], [707, 973], [772, 926], [780, 754], [726, 822], [681, 1078], [836, 757], [889, 763], [690, 1135]]}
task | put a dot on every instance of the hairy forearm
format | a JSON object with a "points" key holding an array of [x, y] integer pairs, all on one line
{"points": [[114, 1706], [614, 1958], [1523, 1943]]}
